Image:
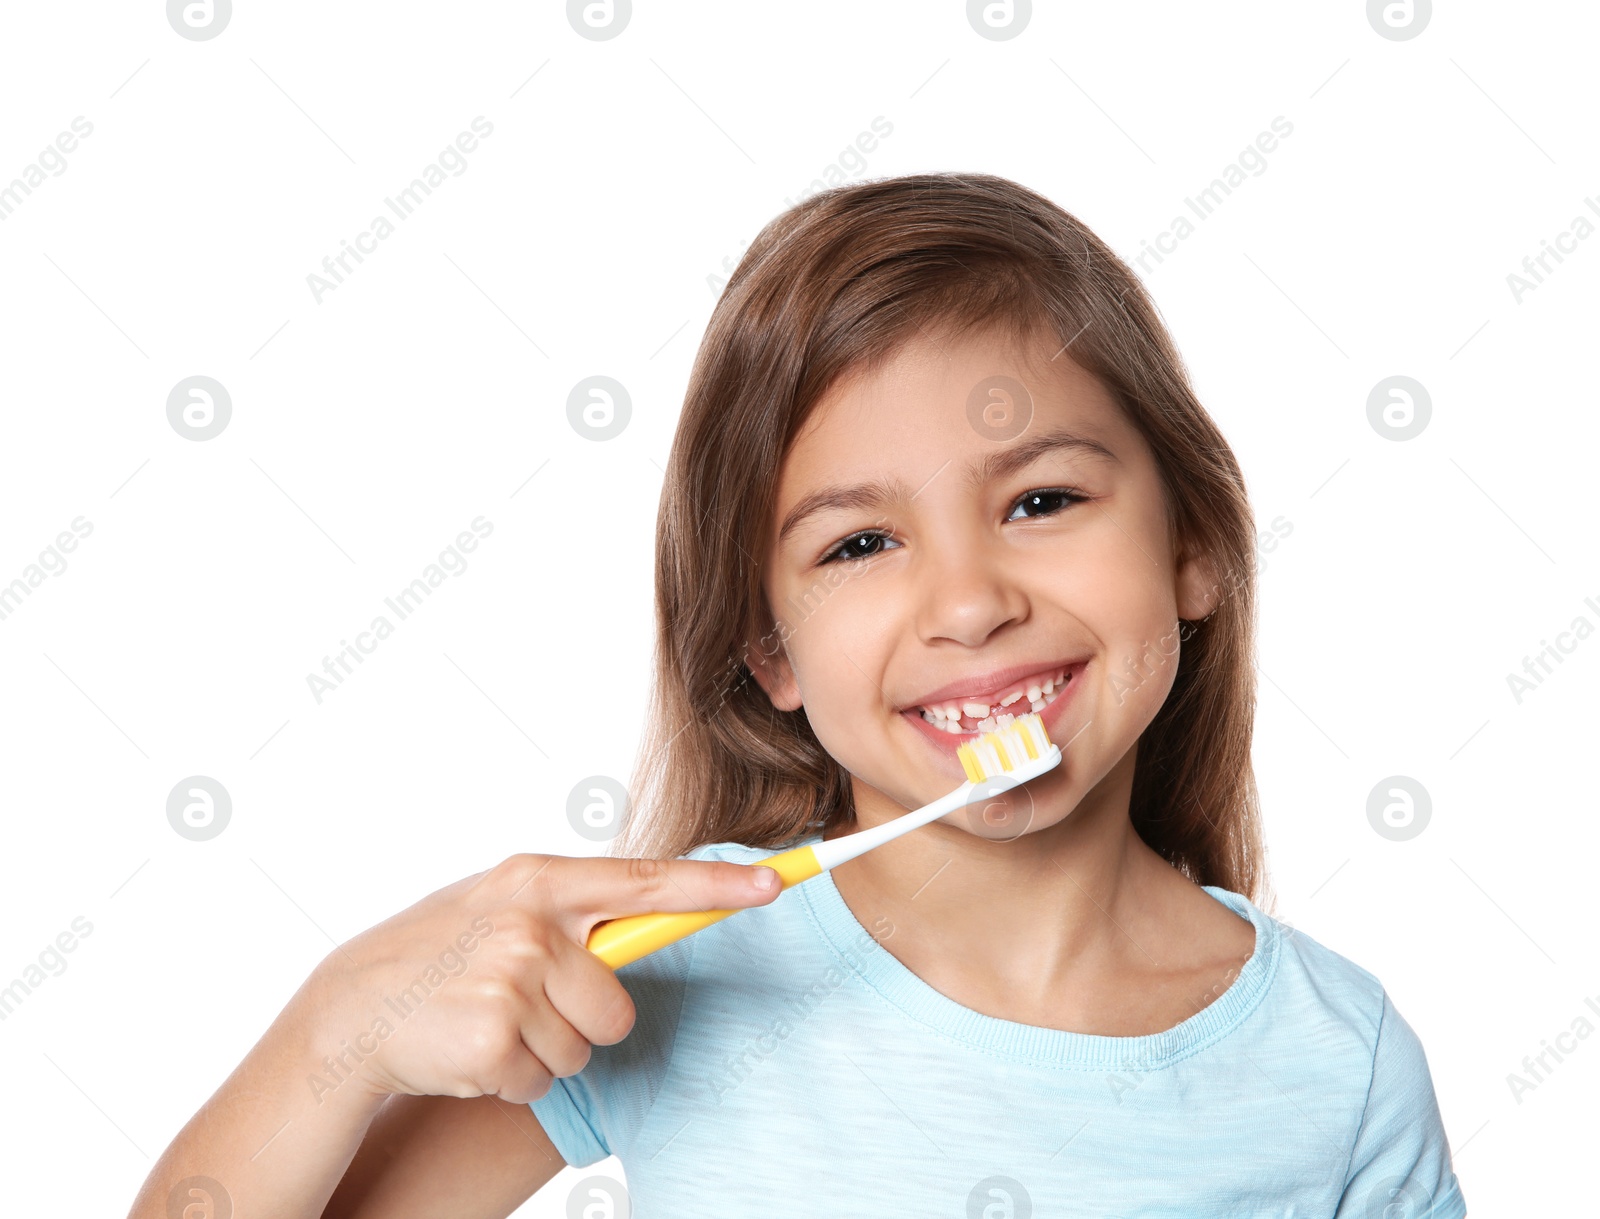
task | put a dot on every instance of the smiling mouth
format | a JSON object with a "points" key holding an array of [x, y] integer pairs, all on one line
{"points": [[964, 717]]}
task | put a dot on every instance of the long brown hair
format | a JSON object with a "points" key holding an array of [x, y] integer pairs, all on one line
{"points": [[835, 285]]}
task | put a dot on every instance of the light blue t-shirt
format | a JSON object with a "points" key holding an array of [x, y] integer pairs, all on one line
{"points": [[783, 1063]]}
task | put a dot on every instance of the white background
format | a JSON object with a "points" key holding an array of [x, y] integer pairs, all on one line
{"points": [[431, 388]]}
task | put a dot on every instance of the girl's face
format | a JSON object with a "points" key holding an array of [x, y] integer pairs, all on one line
{"points": [[973, 518]]}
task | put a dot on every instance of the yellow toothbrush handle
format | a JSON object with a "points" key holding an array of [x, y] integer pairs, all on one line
{"points": [[620, 940]]}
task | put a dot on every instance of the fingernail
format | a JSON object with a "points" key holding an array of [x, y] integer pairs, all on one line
{"points": [[766, 878]]}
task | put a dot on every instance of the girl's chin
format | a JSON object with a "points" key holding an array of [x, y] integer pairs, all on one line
{"points": [[1002, 818]]}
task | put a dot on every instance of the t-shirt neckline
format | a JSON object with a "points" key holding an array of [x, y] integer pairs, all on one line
{"points": [[862, 955]]}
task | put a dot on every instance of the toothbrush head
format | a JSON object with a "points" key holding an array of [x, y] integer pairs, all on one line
{"points": [[1011, 755]]}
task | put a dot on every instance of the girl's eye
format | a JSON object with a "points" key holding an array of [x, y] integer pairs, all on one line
{"points": [[1044, 502], [855, 547], [1041, 498]]}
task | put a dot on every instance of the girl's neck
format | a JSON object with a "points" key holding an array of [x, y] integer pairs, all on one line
{"points": [[1056, 927]]}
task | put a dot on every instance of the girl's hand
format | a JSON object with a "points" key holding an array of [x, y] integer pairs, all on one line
{"points": [[485, 987]]}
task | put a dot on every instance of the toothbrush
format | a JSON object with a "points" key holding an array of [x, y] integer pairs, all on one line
{"points": [[995, 762]]}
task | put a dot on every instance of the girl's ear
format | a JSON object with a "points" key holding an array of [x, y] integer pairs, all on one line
{"points": [[769, 664], [1199, 590]]}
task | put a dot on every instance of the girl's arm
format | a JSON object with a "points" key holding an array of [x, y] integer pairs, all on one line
{"points": [[483, 991], [435, 1155], [264, 1141]]}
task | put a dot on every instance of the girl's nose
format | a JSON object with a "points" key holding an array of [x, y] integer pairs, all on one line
{"points": [[966, 592]]}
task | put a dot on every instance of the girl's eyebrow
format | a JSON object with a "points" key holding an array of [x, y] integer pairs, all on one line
{"points": [[996, 465], [1024, 453]]}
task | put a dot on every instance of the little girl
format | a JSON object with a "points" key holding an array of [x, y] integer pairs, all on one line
{"points": [[939, 464]]}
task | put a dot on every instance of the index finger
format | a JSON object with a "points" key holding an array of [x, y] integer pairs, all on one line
{"points": [[580, 892]]}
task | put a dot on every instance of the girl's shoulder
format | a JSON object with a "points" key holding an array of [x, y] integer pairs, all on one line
{"points": [[1318, 977], [1329, 1018], [738, 852]]}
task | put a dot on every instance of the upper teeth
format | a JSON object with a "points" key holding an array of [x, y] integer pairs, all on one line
{"points": [[1040, 694]]}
